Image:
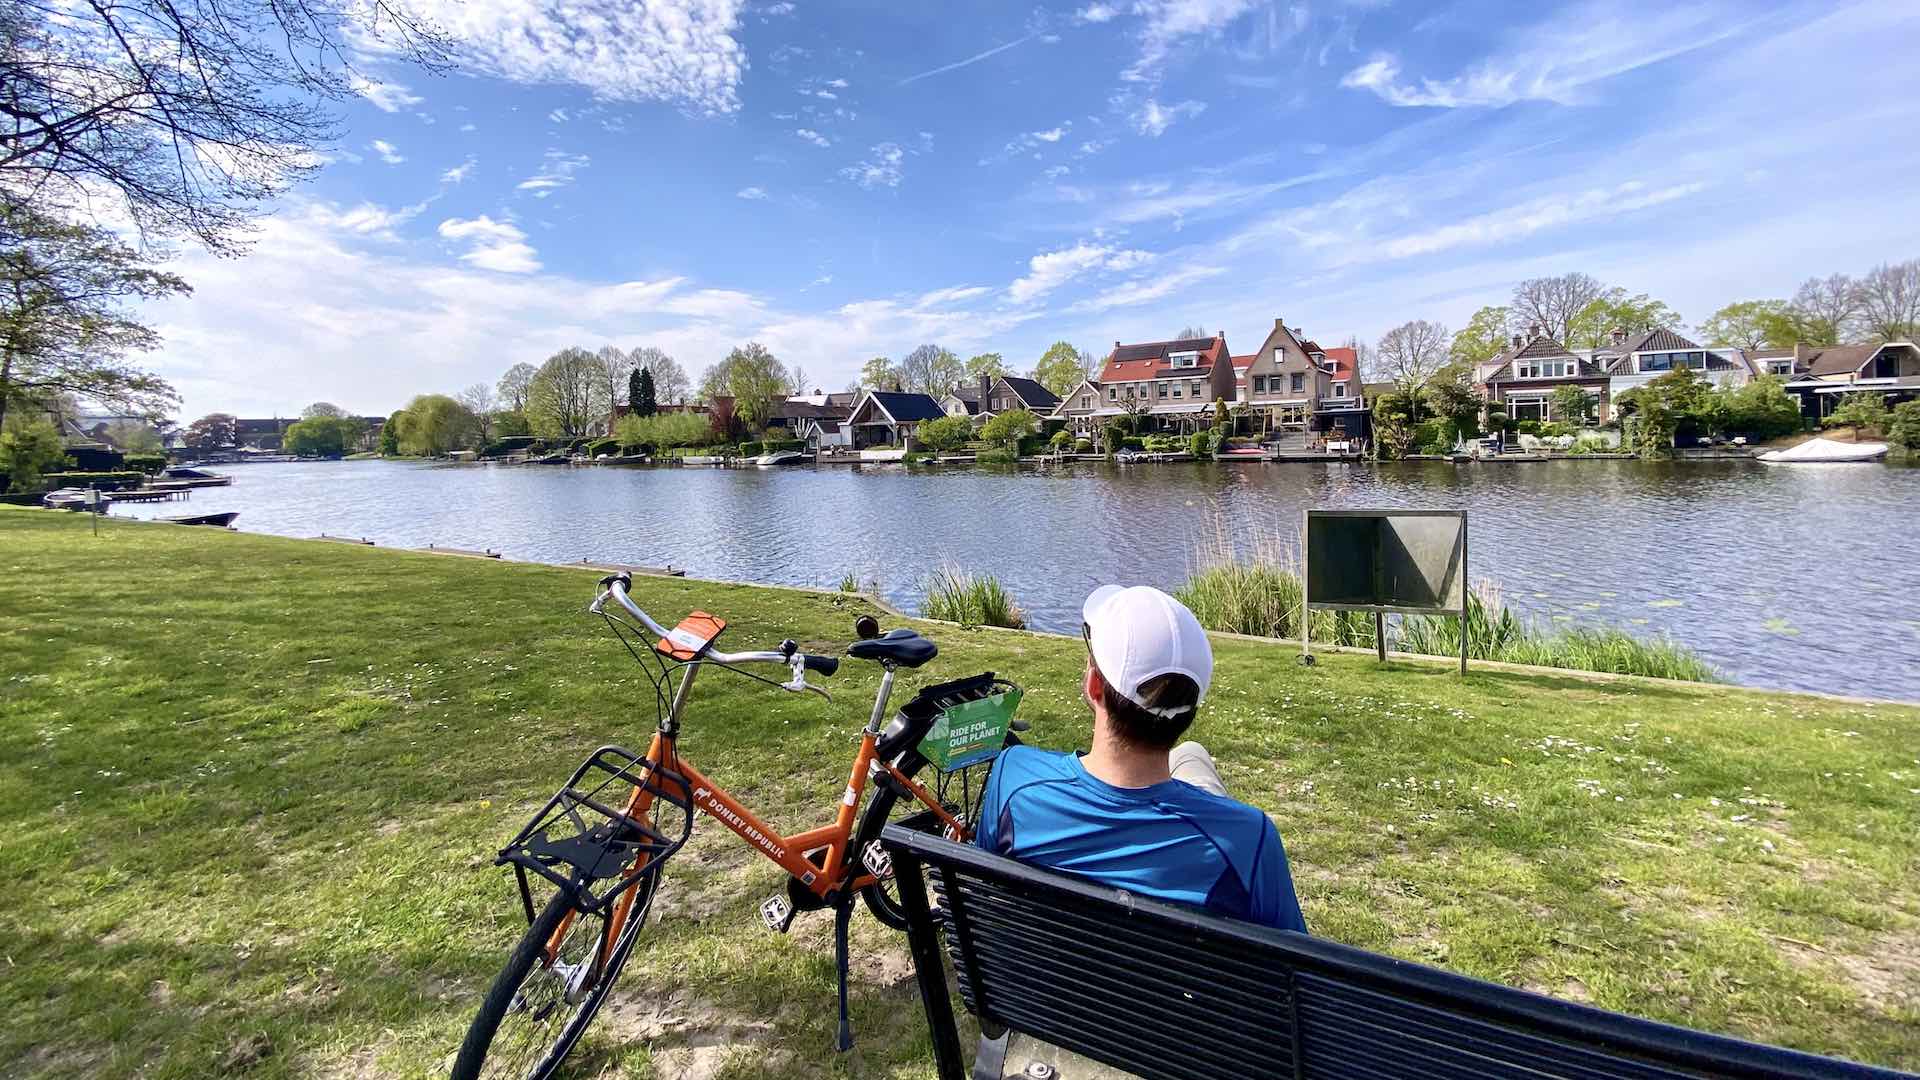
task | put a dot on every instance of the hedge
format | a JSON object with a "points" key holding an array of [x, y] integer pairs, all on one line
{"points": [[147, 463], [769, 446], [105, 481]]}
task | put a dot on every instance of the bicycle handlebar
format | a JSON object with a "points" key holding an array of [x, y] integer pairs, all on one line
{"points": [[799, 663]]}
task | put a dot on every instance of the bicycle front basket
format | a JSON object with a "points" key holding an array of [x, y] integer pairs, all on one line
{"points": [[969, 732]]}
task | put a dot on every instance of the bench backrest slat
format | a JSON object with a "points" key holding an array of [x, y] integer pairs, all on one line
{"points": [[1170, 993]]}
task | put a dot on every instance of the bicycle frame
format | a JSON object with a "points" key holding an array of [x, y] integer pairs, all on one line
{"points": [[681, 782]]}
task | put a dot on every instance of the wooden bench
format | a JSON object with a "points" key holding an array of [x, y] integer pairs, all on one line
{"points": [[1159, 990]]}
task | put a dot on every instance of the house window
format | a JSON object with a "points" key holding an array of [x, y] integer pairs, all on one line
{"points": [[1086, 402], [1113, 393], [1163, 389], [1339, 389], [1557, 368], [1529, 409], [1183, 359], [1780, 367], [1176, 389], [1299, 382], [1259, 384], [1194, 388]]}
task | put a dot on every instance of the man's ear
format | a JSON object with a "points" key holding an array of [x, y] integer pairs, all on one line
{"points": [[1092, 686]]}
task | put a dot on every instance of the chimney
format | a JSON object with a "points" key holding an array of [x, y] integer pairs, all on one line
{"points": [[986, 387], [1533, 331], [1518, 342], [1799, 352], [1116, 345], [1618, 335], [1279, 323]]}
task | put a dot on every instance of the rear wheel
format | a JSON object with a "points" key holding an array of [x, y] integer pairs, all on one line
{"points": [[960, 792], [537, 1010]]}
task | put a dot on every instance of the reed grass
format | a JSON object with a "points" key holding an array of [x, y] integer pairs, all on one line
{"points": [[1261, 596], [970, 599]]}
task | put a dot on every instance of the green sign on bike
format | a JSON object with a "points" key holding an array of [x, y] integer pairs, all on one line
{"points": [[970, 732]]}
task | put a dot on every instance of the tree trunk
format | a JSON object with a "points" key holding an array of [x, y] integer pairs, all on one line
{"points": [[6, 386]]}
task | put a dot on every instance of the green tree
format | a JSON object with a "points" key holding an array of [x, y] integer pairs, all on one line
{"points": [[663, 431], [322, 436], [946, 433], [1654, 411], [640, 396], [321, 408], [30, 450], [435, 424], [1394, 426], [516, 386], [1904, 431], [1454, 399], [1008, 428], [1761, 409], [508, 424], [561, 398], [1062, 367], [133, 437], [1614, 309], [1483, 338], [1573, 404], [65, 323], [1749, 324], [879, 374], [390, 434], [989, 365], [757, 383], [1862, 411]]}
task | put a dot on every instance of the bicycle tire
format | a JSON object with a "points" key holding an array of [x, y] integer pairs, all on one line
{"points": [[472, 1058], [885, 906]]}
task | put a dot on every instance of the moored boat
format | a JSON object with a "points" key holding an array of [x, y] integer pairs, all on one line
{"points": [[1819, 451], [219, 520], [780, 457]]}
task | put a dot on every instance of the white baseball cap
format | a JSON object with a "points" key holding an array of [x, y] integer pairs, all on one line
{"points": [[1137, 634]]}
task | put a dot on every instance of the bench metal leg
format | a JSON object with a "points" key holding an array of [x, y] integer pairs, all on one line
{"points": [[990, 1060], [929, 967]]}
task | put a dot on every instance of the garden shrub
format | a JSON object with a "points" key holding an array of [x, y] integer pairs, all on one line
{"points": [[1085, 446], [147, 463], [1528, 427]]}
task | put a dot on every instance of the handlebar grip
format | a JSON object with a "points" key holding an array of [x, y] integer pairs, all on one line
{"points": [[825, 665], [625, 579]]}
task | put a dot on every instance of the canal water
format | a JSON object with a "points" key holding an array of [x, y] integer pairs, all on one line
{"points": [[1787, 576]]}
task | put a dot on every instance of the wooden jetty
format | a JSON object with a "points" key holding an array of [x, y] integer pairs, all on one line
{"points": [[147, 495]]}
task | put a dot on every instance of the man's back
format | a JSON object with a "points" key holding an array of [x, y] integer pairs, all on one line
{"points": [[1171, 840]]}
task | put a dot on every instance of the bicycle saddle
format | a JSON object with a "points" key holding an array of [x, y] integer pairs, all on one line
{"points": [[903, 648]]}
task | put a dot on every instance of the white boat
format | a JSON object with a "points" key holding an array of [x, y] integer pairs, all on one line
{"points": [[884, 455], [780, 457], [70, 499], [1819, 451]]}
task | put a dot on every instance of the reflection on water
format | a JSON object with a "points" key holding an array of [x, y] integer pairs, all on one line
{"points": [[1799, 576]]}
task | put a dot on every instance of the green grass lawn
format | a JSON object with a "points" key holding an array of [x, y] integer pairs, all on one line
{"points": [[250, 789]]}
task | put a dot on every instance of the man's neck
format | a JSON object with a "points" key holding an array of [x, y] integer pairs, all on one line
{"points": [[1116, 763]]}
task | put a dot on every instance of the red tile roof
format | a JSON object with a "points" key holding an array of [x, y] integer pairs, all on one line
{"points": [[1148, 360], [1346, 361]]}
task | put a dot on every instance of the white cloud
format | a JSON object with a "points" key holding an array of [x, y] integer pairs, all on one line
{"points": [[1096, 13], [1056, 172], [827, 94], [468, 127], [492, 245], [459, 173], [1052, 135], [1052, 269], [751, 193], [556, 171], [957, 64], [385, 96], [813, 137], [782, 8], [1145, 290], [558, 116], [882, 168], [685, 53], [837, 84], [948, 296], [367, 219], [387, 151], [1555, 61], [1170, 23], [1154, 118], [1525, 219]]}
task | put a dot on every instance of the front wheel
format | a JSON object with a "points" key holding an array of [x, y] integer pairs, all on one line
{"points": [[538, 1007], [960, 792]]}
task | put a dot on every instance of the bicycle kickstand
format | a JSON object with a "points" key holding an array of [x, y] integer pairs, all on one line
{"points": [[842, 915]]}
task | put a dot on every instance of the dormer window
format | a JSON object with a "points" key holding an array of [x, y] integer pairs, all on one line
{"points": [[1183, 359]]}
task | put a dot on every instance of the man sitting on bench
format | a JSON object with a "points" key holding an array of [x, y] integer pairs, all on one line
{"points": [[1135, 810]]}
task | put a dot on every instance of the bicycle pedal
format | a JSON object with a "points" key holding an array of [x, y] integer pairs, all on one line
{"points": [[777, 912], [877, 861]]}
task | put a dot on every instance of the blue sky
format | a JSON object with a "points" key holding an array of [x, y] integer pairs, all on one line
{"points": [[849, 180]]}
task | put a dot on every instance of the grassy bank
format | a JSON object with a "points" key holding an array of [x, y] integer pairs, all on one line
{"points": [[250, 788], [1261, 597]]}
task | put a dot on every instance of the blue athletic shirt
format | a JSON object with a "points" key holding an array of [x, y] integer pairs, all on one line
{"points": [[1170, 841]]}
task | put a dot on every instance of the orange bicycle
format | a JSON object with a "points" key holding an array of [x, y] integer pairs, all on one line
{"points": [[600, 845]]}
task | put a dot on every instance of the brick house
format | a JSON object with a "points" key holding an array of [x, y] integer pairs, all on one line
{"points": [[1293, 386], [1522, 379], [1167, 385]]}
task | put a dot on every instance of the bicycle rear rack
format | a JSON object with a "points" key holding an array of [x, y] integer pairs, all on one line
{"points": [[578, 840]]}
